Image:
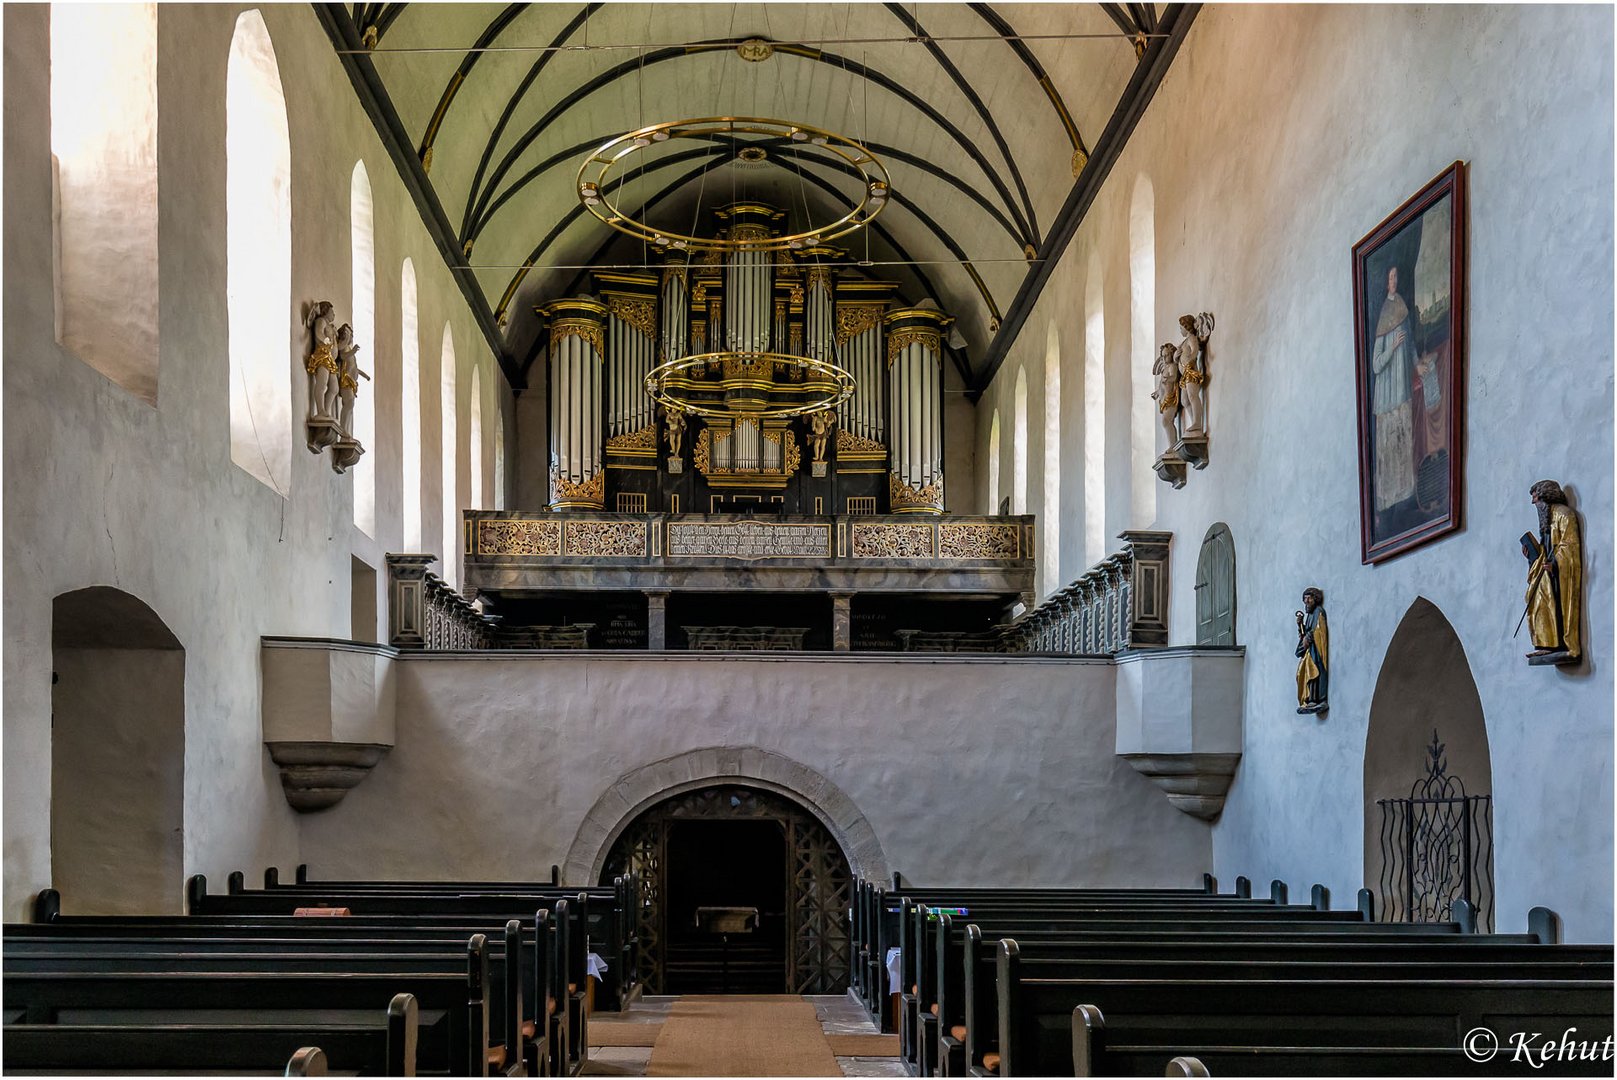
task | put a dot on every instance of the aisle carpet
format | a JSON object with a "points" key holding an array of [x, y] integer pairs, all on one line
{"points": [[742, 1035], [863, 1045], [618, 1033]]}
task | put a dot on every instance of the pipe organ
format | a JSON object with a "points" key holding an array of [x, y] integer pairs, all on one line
{"points": [[735, 322]]}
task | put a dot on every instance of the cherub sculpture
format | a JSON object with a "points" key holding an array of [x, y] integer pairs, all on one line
{"points": [[348, 376], [675, 419], [1192, 359], [1166, 395], [322, 369], [820, 425]]}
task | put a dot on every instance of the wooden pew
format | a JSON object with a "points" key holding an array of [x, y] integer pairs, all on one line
{"points": [[385, 1049], [1038, 1037]]}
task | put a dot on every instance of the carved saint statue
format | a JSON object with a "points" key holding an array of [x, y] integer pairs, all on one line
{"points": [[820, 425], [675, 419], [348, 376], [1313, 654], [1166, 395], [1193, 371], [322, 362], [1554, 579]]}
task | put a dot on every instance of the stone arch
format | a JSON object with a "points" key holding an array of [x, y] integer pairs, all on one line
{"points": [[117, 809], [1425, 683], [636, 790]]}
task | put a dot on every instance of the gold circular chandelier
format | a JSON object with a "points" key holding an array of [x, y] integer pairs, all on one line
{"points": [[746, 386], [614, 158]]}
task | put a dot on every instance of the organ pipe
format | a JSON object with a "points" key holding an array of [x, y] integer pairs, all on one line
{"points": [[915, 363], [577, 349]]}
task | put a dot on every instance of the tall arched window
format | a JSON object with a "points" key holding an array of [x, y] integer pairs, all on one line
{"points": [[448, 448], [410, 407], [993, 464], [104, 151], [1019, 446], [499, 453], [1094, 415], [363, 234], [258, 257], [1050, 553], [1142, 352], [476, 441]]}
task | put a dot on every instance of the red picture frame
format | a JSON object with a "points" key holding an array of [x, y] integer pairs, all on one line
{"points": [[1409, 316]]}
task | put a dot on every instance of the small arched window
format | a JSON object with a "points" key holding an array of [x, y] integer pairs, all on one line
{"points": [[104, 153], [363, 251], [410, 407], [450, 552], [1019, 446], [1050, 551], [1094, 415], [1142, 353], [476, 440], [258, 257], [993, 464], [499, 453]]}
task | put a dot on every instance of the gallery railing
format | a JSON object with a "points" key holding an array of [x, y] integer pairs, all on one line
{"points": [[1436, 847], [1119, 603], [424, 612]]}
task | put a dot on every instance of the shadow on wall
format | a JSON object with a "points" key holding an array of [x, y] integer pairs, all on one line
{"points": [[1426, 761], [117, 756]]}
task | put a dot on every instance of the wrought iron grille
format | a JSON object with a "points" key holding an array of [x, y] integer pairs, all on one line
{"points": [[819, 884], [1436, 847]]}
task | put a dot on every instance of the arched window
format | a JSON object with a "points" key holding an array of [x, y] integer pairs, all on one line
{"points": [[1019, 446], [410, 407], [258, 256], [1142, 353], [363, 234], [1050, 551], [499, 452], [476, 440], [993, 464], [104, 152], [447, 455], [1094, 415]]}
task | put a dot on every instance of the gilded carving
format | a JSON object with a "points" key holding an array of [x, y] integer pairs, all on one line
{"points": [[592, 490], [849, 443], [818, 276], [579, 328], [519, 537], [884, 541], [904, 497], [606, 539], [979, 541], [796, 295], [674, 270], [700, 453], [899, 340], [791, 455], [644, 439], [640, 313], [855, 319]]}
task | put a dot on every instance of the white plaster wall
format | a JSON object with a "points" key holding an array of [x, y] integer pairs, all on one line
{"points": [[103, 488], [1280, 136], [974, 772]]}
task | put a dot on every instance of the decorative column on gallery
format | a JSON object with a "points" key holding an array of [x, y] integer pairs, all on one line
{"points": [[577, 345], [915, 380]]}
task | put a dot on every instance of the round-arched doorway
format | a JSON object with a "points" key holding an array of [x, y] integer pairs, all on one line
{"points": [[734, 846]]}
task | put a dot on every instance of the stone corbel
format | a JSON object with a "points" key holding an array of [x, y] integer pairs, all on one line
{"points": [[328, 715], [1179, 721]]}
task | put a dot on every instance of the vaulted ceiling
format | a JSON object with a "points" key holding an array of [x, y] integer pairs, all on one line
{"points": [[995, 122]]}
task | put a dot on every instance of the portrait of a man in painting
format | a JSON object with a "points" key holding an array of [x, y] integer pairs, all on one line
{"points": [[1408, 282]]}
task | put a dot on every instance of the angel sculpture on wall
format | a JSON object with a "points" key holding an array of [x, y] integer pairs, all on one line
{"points": [[1166, 395], [346, 451], [675, 419], [1192, 358], [820, 425], [323, 375]]}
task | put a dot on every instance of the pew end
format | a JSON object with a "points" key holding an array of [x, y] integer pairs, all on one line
{"points": [[1186, 1066], [301, 875], [272, 877], [1320, 897], [1243, 887], [1541, 922], [47, 906], [308, 1061], [402, 1017], [1367, 905], [1279, 895], [1210, 884], [1464, 912], [1088, 1026], [236, 882]]}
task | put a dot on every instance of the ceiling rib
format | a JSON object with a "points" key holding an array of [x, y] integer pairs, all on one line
{"points": [[1148, 74], [340, 27], [1008, 32], [467, 63]]}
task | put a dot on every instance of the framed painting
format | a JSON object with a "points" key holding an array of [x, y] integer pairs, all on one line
{"points": [[1409, 337]]}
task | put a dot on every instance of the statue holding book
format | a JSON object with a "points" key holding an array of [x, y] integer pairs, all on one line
{"points": [[1554, 614]]}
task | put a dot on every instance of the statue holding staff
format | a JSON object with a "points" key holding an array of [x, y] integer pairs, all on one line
{"points": [[1313, 654]]}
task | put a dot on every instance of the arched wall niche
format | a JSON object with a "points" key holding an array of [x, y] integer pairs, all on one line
{"points": [[636, 790], [993, 465], [117, 809], [1019, 444], [1142, 349], [1050, 507], [1424, 684], [1215, 587]]}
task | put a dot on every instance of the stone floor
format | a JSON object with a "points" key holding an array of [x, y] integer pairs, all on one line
{"points": [[840, 1014]]}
